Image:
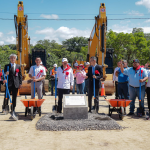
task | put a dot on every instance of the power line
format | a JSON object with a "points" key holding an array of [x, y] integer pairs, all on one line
{"points": [[134, 14], [78, 19]]}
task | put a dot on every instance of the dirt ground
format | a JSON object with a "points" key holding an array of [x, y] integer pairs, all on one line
{"points": [[22, 135]]}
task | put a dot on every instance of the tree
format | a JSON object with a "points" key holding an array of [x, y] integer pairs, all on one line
{"points": [[75, 43]]}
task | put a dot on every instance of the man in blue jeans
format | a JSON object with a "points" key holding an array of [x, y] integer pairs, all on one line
{"points": [[134, 83], [122, 82]]}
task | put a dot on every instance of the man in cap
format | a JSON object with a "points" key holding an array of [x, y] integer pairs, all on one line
{"points": [[65, 81], [134, 83], [98, 75], [52, 75], [75, 85], [87, 64], [123, 82]]}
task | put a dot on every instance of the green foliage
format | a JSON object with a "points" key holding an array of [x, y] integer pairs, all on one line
{"points": [[75, 44], [129, 46]]}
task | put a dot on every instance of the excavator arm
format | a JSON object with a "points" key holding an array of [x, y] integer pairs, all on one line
{"points": [[97, 40], [21, 26]]}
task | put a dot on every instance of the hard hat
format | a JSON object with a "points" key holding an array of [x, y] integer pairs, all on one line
{"points": [[55, 65], [64, 59], [87, 63], [75, 64]]}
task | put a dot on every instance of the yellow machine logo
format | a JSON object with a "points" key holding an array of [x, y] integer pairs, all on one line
{"points": [[20, 8]]}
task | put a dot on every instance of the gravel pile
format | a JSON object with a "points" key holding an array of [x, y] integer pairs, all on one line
{"points": [[52, 122]]}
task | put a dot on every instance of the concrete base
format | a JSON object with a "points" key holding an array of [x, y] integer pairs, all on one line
{"points": [[75, 113]]}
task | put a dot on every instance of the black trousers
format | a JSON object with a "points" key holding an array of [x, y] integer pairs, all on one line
{"points": [[148, 97], [116, 87], [14, 92], [90, 95], [60, 97]]}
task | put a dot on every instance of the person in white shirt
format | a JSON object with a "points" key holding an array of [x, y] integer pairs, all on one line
{"points": [[65, 81], [40, 75], [115, 79]]}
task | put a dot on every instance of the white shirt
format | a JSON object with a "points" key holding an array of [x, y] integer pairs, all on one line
{"points": [[115, 78], [14, 66], [39, 71], [64, 80], [148, 83]]}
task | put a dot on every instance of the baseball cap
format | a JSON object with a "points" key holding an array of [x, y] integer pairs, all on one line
{"points": [[64, 59], [76, 64], [87, 63], [136, 61], [55, 65]]}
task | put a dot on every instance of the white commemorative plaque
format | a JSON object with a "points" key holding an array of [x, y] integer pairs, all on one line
{"points": [[75, 100], [75, 106]]}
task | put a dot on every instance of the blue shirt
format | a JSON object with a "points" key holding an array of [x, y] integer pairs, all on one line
{"points": [[122, 77], [134, 76]]}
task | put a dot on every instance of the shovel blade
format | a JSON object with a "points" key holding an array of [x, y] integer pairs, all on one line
{"points": [[139, 112], [14, 116], [55, 108]]}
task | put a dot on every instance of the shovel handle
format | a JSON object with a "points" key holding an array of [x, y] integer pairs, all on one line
{"points": [[34, 82], [7, 81], [94, 81], [140, 87], [7, 88], [55, 85]]}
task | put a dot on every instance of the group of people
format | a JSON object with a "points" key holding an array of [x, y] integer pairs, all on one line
{"points": [[79, 76], [66, 76], [128, 81]]}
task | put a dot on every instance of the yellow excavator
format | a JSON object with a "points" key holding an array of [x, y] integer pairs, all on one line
{"points": [[97, 47], [23, 49]]}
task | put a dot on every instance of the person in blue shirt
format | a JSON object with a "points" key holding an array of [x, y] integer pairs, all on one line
{"points": [[123, 82], [134, 83]]}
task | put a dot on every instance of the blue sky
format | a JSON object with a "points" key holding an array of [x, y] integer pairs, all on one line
{"points": [[61, 30]]}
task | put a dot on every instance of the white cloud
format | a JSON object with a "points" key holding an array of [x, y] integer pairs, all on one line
{"points": [[63, 33], [134, 13], [1, 34], [11, 32], [145, 3], [7, 39], [1, 42], [118, 28], [147, 20], [10, 40], [126, 29], [53, 16]]}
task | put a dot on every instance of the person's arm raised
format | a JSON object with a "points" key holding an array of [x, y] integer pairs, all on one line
{"points": [[121, 66]]}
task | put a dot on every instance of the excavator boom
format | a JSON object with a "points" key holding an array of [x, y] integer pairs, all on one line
{"points": [[97, 46]]}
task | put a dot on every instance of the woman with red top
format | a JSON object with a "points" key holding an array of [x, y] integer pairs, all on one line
{"points": [[80, 79]]}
